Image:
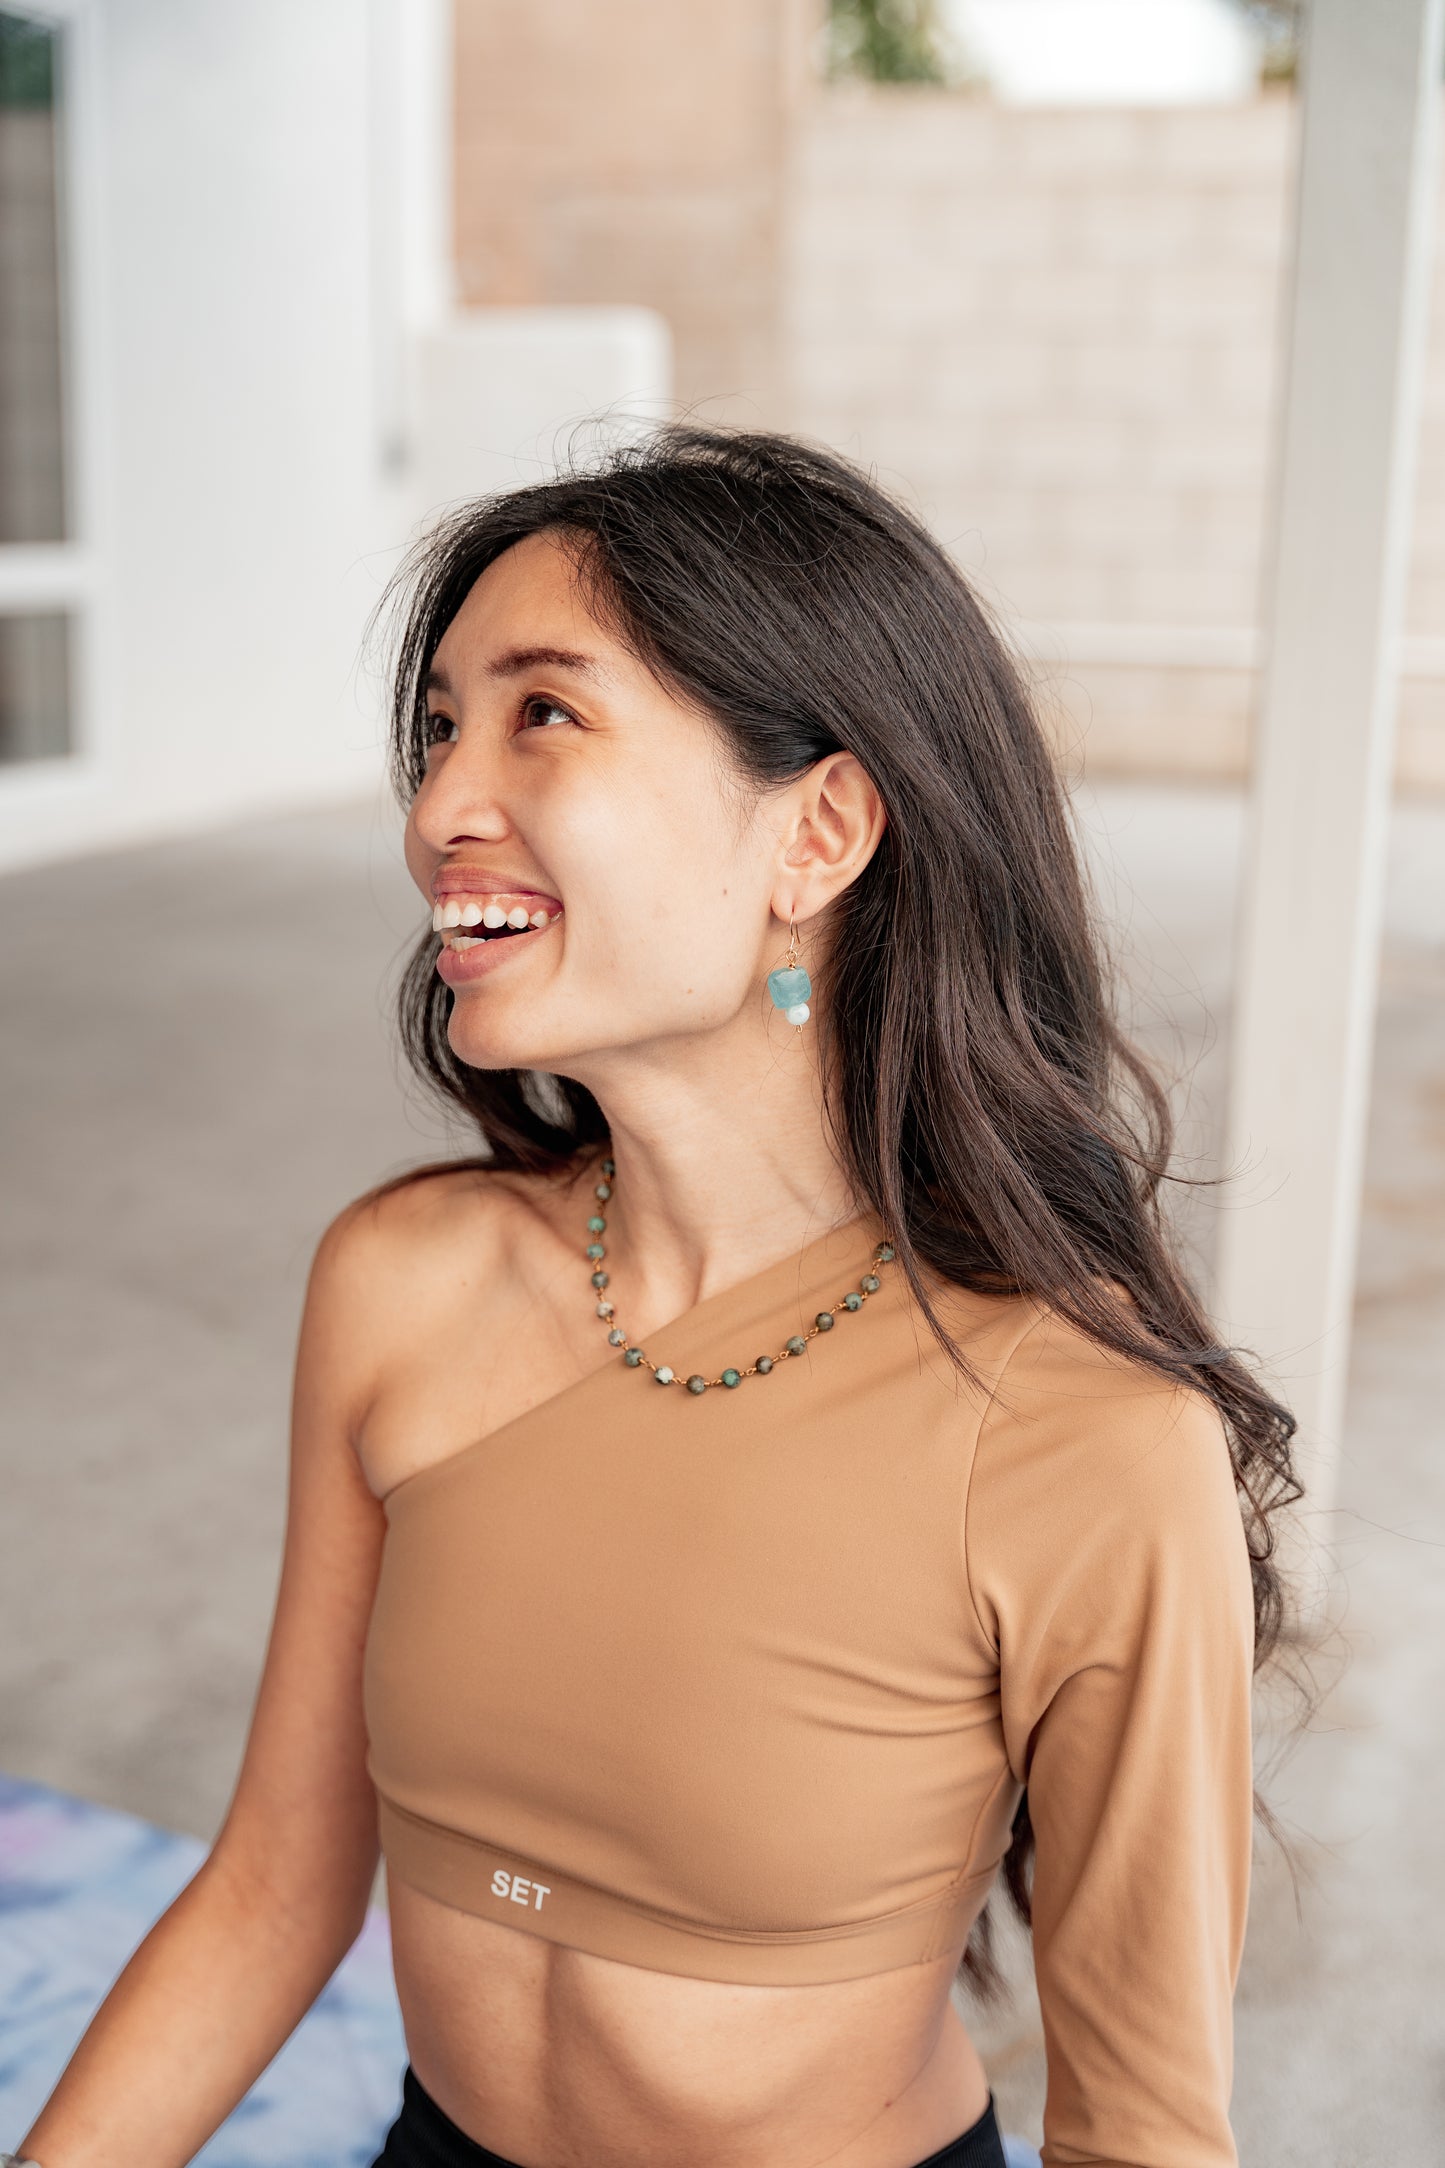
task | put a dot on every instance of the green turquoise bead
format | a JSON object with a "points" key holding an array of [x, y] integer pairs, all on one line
{"points": [[884, 1252], [604, 1309], [603, 1190], [732, 1377], [788, 987], [763, 1365], [595, 1249], [797, 1345], [633, 1357], [665, 1374], [824, 1321], [870, 1283], [597, 1225], [697, 1385], [609, 1166], [599, 1279], [616, 1337], [852, 1302]]}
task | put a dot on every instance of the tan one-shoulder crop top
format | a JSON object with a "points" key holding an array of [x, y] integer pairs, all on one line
{"points": [[746, 1685]]}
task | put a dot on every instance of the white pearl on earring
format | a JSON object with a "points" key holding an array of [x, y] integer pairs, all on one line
{"points": [[798, 1013]]}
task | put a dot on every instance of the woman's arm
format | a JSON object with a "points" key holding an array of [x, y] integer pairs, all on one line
{"points": [[230, 1969], [1109, 1566]]}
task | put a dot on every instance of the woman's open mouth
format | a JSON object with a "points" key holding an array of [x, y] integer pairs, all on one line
{"points": [[462, 923], [475, 927]]}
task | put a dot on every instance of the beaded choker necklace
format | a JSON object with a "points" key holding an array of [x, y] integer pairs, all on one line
{"points": [[732, 1375]]}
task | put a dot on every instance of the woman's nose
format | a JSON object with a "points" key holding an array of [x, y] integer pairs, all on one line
{"points": [[460, 797]]}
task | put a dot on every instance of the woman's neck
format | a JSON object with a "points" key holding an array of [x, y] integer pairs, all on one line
{"points": [[723, 1161]]}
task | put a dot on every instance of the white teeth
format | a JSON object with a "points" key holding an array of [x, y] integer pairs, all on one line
{"points": [[464, 940], [493, 915]]}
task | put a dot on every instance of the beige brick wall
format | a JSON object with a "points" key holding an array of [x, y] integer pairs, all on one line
{"points": [[1058, 327], [1057, 331], [634, 152]]}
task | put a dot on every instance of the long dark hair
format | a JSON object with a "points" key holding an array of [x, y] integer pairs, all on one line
{"points": [[982, 1097]]}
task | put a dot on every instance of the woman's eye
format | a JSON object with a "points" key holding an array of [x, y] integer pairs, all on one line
{"points": [[440, 730], [541, 713]]}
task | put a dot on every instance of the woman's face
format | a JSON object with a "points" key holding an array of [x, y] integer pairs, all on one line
{"points": [[568, 794]]}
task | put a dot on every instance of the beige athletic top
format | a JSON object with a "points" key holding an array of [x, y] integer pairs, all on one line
{"points": [[745, 1685]]}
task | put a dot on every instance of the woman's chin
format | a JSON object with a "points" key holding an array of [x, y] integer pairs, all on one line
{"points": [[483, 1049], [487, 1031], [501, 1041]]}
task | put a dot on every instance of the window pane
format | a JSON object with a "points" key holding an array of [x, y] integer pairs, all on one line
{"points": [[34, 687], [32, 472]]}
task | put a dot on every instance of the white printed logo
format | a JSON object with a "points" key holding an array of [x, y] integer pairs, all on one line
{"points": [[519, 1889]]}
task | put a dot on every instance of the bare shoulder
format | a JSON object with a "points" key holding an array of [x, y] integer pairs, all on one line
{"points": [[416, 1225], [388, 1268], [401, 1249], [427, 1295]]}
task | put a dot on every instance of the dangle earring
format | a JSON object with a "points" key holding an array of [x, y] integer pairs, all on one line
{"points": [[790, 986]]}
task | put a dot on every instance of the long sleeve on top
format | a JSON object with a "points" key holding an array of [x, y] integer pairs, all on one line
{"points": [[1107, 1563]]}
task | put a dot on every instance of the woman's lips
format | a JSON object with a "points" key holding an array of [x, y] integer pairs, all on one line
{"points": [[475, 950], [482, 881], [497, 909]]}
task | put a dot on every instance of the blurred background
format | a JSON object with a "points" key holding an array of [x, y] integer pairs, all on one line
{"points": [[1137, 303]]}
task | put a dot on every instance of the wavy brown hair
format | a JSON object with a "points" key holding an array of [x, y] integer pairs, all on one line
{"points": [[982, 1098]]}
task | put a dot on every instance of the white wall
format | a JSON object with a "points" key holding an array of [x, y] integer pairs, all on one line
{"points": [[272, 393], [244, 461], [223, 345], [504, 396]]}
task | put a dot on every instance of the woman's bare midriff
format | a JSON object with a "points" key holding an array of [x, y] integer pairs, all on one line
{"points": [[557, 2059]]}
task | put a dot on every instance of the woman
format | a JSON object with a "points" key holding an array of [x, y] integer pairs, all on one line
{"points": [[788, 1477]]}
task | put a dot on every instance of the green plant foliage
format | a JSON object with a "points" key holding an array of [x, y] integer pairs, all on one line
{"points": [[27, 63], [886, 41]]}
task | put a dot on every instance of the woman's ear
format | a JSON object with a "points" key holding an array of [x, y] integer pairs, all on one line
{"points": [[833, 818]]}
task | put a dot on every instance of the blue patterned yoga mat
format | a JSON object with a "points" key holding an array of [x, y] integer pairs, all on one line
{"points": [[79, 1887]]}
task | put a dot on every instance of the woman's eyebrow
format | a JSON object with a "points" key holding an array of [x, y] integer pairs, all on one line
{"points": [[514, 661]]}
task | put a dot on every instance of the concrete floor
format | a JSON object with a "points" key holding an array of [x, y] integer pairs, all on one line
{"points": [[197, 1073]]}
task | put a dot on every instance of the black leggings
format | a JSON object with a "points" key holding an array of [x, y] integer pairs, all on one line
{"points": [[422, 2137]]}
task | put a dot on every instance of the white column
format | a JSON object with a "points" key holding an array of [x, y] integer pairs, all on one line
{"points": [[1311, 916], [412, 167]]}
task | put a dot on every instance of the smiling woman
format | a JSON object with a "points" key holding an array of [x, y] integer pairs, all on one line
{"points": [[613, 770], [698, 1724]]}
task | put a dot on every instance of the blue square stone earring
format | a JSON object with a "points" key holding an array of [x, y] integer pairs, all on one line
{"points": [[791, 986]]}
